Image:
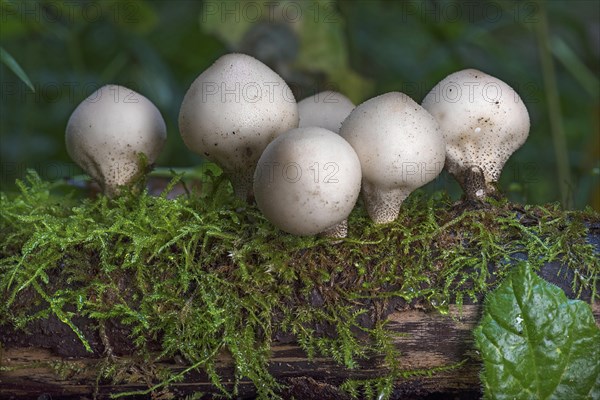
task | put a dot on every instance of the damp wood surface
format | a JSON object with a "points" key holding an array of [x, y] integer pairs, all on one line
{"points": [[426, 340]]}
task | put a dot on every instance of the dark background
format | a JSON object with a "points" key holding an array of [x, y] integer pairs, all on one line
{"points": [[548, 51]]}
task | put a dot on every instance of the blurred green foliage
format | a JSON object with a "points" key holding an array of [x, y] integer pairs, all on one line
{"points": [[361, 48]]}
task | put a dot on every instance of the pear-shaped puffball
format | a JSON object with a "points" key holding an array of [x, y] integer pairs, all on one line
{"points": [[232, 111], [400, 147], [484, 121], [307, 181], [325, 109], [109, 130]]}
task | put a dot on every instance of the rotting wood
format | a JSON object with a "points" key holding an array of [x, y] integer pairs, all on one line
{"points": [[426, 340]]}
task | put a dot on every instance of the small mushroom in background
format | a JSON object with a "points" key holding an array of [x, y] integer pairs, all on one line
{"points": [[400, 147], [232, 111], [484, 121], [326, 109], [109, 131], [307, 182]]}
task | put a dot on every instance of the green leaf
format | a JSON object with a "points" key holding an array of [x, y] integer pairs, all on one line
{"points": [[536, 343], [14, 66]]}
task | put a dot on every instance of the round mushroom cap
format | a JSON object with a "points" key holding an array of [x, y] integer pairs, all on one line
{"points": [[234, 109], [307, 181], [482, 118], [398, 142], [109, 130], [326, 109]]}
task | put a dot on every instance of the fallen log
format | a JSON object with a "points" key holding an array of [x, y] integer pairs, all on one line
{"points": [[427, 340], [100, 290]]}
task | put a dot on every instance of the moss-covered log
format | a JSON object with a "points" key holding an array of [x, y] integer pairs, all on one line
{"points": [[427, 341], [170, 296]]}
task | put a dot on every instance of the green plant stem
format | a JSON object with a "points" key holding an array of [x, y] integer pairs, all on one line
{"points": [[554, 111], [567, 57]]}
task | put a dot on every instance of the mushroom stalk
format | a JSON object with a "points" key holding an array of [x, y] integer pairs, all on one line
{"points": [[472, 180], [339, 231], [383, 204], [241, 181]]}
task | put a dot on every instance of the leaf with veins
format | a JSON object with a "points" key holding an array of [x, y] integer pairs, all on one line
{"points": [[536, 343]]}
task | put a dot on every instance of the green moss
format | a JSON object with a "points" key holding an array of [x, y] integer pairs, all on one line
{"points": [[205, 274]]}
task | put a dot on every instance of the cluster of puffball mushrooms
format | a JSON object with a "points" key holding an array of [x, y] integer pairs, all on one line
{"points": [[306, 163]]}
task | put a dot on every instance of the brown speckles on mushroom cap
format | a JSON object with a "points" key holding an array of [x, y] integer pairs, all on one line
{"points": [[484, 122], [233, 110], [400, 147], [107, 132]]}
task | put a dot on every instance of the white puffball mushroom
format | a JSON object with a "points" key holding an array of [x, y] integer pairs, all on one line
{"points": [[232, 111], [326, 109], [307, 181], [484, 121], [109, 130], [400, 147]]}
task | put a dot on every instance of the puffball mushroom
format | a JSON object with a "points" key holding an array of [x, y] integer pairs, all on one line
{"points": [[307, 181], [484, 121], [400, 147], [109, 130], [232, 111], [326, 109]]}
